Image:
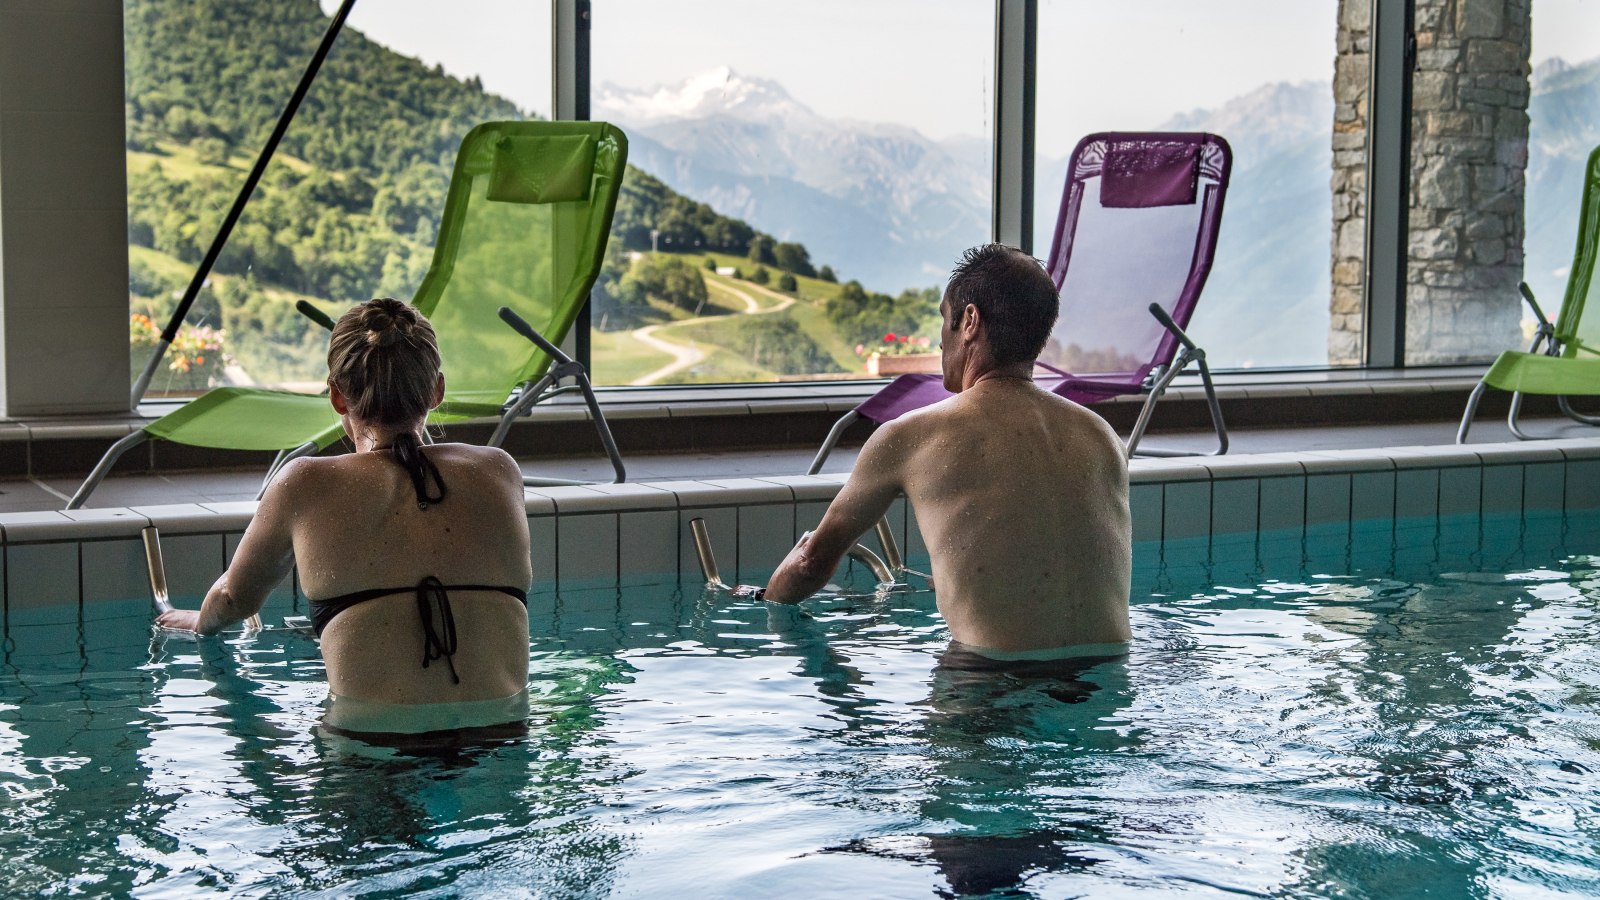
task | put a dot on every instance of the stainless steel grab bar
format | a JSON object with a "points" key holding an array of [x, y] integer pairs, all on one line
{"points": [[708, 559], [873, 562], [158, 579]]}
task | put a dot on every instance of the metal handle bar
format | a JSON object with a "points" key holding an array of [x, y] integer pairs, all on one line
{"points": [[314, 314], [1166, 322], [523, 328], [158, 580], [1527, 294]]}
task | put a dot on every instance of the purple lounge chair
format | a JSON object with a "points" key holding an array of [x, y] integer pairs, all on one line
{"points": [[1133, 246]]}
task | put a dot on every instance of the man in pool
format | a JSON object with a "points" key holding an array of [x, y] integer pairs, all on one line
{"points": [[1021, 495]]}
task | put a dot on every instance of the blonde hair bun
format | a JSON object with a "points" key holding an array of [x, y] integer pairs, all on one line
{"points": [[384, 358]]}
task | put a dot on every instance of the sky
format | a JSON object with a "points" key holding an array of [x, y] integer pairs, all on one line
{"points": [[928, 64], [1569, 29]]}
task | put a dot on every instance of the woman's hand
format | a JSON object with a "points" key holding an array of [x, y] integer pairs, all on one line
{"points": [[180, 620]]}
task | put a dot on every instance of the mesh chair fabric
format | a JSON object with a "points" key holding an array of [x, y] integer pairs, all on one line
{"points": [[1578, 335], [524, 226], [535, 246], [1535, 373], [235, 418], [1112, 261]]}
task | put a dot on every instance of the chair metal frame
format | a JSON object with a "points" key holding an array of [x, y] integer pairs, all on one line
{"points": [[1544, 334], [562, 366]]}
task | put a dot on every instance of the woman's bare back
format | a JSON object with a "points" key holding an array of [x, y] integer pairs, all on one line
{"points": [[356, 525]]}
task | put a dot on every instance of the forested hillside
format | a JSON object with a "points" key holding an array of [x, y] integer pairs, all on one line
{"points": [[350, 206]]}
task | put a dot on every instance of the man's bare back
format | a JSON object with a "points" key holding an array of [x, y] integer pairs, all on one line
{"points": [[1021, 496]]}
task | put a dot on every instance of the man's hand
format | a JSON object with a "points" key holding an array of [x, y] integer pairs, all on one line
{"points": [[749, 592], [180, 620]]}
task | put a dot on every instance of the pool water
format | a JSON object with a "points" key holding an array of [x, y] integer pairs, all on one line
{"points": [[1403, 711]]}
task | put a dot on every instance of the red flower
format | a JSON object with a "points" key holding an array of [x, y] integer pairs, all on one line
{"points": [[888, 338]]}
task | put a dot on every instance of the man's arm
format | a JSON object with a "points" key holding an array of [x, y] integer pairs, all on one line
{"points": [[264, 557], [874, 484]]}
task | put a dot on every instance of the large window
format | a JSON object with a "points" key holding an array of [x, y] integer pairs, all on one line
{"points": [[350, 205], [803, 176], [1564, 127], [1257, 72]]}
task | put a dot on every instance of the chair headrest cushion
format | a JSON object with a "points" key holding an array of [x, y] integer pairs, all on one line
{"points": [[1139, 177], [542, 168]]}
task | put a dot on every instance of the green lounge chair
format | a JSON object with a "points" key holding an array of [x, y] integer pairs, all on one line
{"points": [[1569, 365], [525, 226]]}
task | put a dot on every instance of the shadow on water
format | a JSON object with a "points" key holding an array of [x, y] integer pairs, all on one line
{"points": [[979, 865]]}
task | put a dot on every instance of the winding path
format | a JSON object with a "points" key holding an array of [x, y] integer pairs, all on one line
{"points": [[683, 357]]}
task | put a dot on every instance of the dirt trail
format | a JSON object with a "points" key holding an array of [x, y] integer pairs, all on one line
{"points": [[685, 356]]}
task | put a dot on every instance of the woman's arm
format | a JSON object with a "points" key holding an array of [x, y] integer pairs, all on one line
{"points": [[264, 557]]}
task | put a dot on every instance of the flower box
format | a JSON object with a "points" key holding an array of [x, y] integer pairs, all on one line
{"points": [[879, 365]]}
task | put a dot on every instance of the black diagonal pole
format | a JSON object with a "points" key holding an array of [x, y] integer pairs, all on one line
{"points": [[202, 273]]}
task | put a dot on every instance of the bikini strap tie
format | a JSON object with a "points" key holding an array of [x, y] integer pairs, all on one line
{"points": [[408, 453], [430, 593]]}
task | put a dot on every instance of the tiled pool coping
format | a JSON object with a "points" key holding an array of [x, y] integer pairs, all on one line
{"points": [[633, 534]]}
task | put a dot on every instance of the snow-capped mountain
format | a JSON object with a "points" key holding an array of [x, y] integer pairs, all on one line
{"points": [[878, 202]]}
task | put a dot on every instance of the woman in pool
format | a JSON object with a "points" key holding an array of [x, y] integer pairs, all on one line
{"points": [[419, 553]]}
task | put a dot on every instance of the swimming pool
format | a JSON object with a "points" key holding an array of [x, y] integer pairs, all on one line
{"points": [[1401, 709]]}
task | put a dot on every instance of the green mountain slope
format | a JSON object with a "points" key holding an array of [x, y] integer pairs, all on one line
{"points": [[349, 207]]}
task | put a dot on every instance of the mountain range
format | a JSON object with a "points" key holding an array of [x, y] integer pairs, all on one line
{"points": [[886, 205], [879, 203], [892, 208]]}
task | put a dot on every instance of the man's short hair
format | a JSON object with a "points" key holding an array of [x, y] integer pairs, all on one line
{"points": [[1016, 300]]}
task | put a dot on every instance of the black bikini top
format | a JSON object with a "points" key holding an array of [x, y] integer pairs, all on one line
{"points": [[430, 593]]}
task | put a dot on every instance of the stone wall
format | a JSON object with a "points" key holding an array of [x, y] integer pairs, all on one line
{"points": [[1469, 150], [1349, 182]]}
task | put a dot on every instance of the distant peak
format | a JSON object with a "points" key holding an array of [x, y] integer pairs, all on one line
{"points": [[1555, 65], [715, 91]]}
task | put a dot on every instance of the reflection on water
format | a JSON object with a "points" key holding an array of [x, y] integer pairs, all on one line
{"points": [[1397, 714]]}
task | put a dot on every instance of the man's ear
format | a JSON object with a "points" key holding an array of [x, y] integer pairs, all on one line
{"points": [[970, 321], [336, 397]]}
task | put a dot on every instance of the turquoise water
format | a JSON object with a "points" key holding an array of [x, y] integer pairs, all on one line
{"points": [[1405, 711]]}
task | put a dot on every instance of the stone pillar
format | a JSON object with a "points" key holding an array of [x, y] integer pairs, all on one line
{"points": [[1469, 150], [63, 209], [1350, 66]]}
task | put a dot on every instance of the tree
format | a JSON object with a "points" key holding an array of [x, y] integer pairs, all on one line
{"points": [[786, 282], [711, 264], [864, 317], [761, 247], [794, 258], [645, 203], [665, 278], [211, 151], [826, 274], [761, 275]]}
